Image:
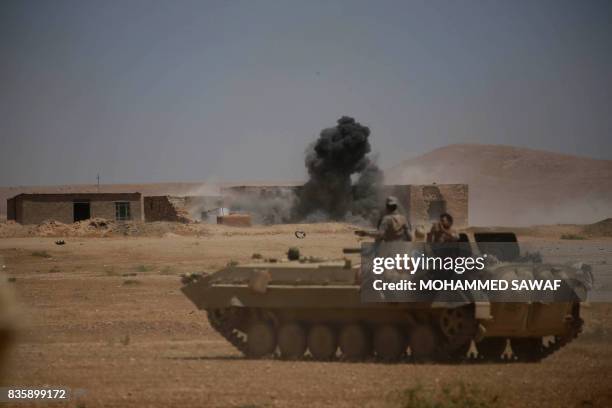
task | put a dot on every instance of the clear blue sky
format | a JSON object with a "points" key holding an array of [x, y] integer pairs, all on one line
{"points": [[144, 91]]}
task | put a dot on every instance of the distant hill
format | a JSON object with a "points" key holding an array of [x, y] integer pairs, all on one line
{"points": [[517, 186]]}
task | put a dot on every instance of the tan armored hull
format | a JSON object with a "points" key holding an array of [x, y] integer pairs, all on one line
{"points": [[299, 310]]}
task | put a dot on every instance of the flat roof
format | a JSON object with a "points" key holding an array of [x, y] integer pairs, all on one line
{"points": [[59, 195]]}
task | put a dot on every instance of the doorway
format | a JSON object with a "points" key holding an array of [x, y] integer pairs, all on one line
{"points": [[81, 211]]}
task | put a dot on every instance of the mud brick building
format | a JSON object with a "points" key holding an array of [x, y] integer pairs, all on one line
{"points": [[423, 204], [72, 207]]}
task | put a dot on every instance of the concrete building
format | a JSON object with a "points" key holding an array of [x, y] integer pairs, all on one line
{"points": [[72, 207]]}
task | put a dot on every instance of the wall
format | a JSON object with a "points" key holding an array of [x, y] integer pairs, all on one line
{"points": [[453, 196], [165, 208], [179, 209], [36, 208], [416, 202]]}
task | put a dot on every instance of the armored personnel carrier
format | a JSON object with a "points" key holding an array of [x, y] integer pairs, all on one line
{"points": [[297, 309]]}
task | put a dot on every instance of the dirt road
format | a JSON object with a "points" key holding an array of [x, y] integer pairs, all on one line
{"points": [[106, 315]]}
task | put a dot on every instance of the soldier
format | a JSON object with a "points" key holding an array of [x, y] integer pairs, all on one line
{"points": [[443, 230], [392, 226]]}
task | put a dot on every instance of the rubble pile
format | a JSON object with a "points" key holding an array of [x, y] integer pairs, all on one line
{"points": [[91, 227], [100, 228], [181, 213]]}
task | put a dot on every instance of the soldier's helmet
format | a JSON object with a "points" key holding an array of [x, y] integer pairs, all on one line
{"points": [[392, 201]]}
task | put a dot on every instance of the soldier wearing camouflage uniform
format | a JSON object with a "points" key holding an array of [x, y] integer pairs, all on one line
{"points": [[392, 226]]}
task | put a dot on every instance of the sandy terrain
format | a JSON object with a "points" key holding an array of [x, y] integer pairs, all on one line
{"points": [[102, 228], [106, 315]]}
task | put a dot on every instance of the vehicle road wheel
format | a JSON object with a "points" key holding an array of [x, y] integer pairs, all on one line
{"points": [[261, 340], [423, 343], [322, 342], [389, 343], [458, 326], [292, 341], [354, 342]]}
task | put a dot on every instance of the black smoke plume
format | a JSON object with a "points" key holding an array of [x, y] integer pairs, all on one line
{"points": [[344, 183]]}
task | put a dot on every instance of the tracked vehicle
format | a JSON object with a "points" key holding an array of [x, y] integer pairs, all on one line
{"points": [[297, 310]]}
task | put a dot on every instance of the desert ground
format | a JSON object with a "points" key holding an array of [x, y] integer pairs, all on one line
{"points": [[104, 314]]}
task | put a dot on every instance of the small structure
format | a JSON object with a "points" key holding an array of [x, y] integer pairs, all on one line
{"points": [[73, 207], [235, 220], [166, 208], [423, 204]]}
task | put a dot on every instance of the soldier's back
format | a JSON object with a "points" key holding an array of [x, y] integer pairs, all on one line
{"points": [[395, 227]]}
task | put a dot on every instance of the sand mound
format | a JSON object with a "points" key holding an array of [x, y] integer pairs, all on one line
{"points": [[51, 228], [10, 229], [91, 227]]}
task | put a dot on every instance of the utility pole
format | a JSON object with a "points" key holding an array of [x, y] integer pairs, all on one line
{"points": [[98, 177]]}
